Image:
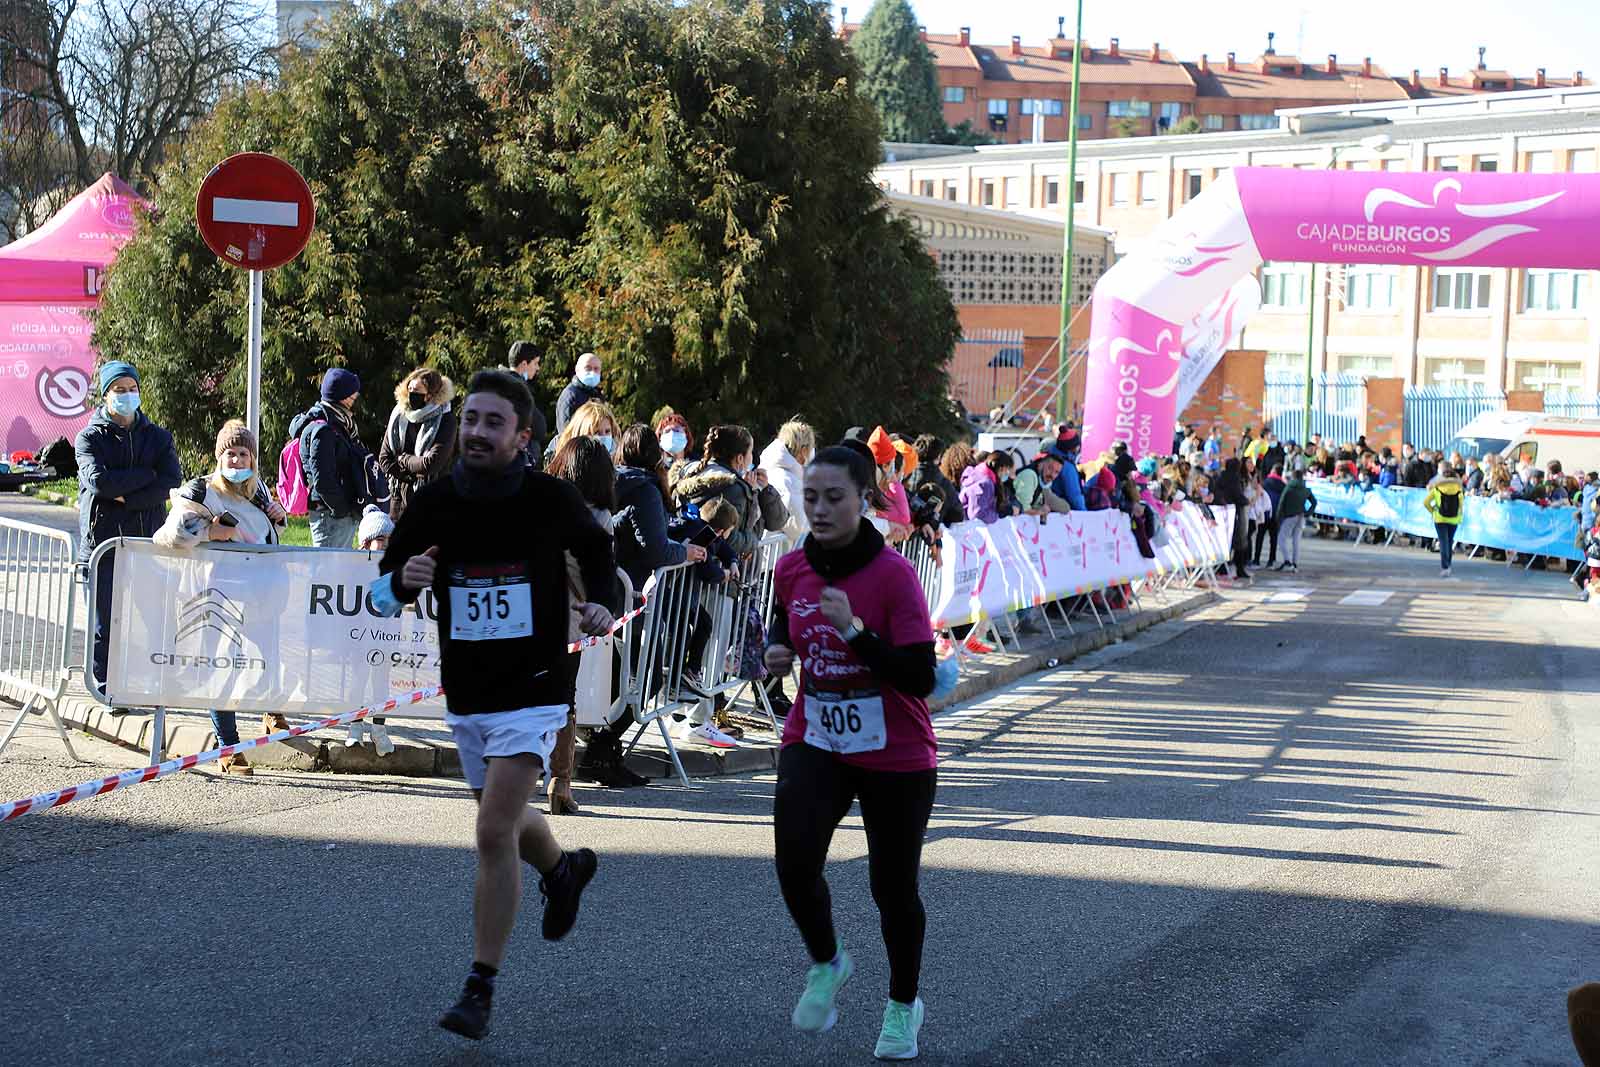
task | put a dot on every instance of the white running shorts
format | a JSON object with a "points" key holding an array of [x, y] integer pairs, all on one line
{"points": [[505, 733]]}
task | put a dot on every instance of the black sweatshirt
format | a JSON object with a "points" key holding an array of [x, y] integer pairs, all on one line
{"points": [[502, 542]]}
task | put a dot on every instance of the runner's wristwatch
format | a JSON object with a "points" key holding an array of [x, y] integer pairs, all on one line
{"points": [[855, 629]]}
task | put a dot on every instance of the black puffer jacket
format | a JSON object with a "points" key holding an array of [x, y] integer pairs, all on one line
{"points": [[930, 474], [759, 513], [640, 527]]}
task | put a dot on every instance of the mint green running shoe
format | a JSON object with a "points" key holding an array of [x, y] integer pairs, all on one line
{"points": [[898, 1038], [816, 1012]]}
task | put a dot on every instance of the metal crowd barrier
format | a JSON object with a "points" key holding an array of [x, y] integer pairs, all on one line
{"points": [[752, 598], [37, 599]]}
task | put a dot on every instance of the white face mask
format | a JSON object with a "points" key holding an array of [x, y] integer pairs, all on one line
{"points": [[239, 475], [674, 441], [591, 378]]}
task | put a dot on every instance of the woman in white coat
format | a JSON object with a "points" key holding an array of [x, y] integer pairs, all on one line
{"points": [[231, 504], [785, 461]]}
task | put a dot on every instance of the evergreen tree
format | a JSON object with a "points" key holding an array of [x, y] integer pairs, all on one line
{"points": [[684, 188], [897, 73]]}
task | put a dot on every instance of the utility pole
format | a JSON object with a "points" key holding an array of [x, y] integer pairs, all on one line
{"points": [[1070, 191]]}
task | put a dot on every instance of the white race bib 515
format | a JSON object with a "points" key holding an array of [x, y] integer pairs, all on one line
{"points": [[490, 609]]}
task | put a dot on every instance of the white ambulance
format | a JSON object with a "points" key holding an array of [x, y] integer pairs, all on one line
{"points": [[1531, 436]]}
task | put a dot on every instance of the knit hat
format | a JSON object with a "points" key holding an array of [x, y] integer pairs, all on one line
{"points": [[114, 370], [235, 434], [1147, 467], [339, 383], [375, 522], [882, 447], [909, 459]]}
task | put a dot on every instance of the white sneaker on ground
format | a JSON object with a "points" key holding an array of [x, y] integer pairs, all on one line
{"points": [[358, 730], [898, 1038], [1447, 572], [707, 734], [380, 738]]}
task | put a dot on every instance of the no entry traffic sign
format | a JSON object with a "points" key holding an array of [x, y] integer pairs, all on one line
{"points": [[255, 211]]}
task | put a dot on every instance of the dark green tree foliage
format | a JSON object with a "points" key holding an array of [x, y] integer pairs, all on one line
{"points": [[683, 188], [897, 73]]}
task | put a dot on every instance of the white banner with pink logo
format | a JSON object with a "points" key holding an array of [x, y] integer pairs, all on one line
{"points": [[989, 570], [1184, 272]]}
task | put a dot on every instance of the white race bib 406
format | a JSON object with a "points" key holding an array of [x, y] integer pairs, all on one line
{"points": [[493, 609], [845, 722]]}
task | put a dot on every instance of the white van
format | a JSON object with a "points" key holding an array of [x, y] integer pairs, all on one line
{"points": [[1529, 435]]}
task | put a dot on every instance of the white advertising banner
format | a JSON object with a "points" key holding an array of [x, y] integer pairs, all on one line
{"points": [[237, 628], [1019, 562]]}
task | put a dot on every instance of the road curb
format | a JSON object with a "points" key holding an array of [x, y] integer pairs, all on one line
{"points": [[49, 496], [424, 758]]}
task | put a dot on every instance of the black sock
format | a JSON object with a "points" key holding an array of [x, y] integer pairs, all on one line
{"points": [[483, 975], [558, 872]]}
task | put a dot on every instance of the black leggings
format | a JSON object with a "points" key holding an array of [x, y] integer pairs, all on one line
{"points": [[815, 789], [1263, 529]]}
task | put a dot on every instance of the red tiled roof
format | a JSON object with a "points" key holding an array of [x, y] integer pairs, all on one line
{"points": [[1314, 84]]}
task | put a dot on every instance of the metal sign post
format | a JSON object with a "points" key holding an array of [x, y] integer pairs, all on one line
{"points": [[253, 396]]}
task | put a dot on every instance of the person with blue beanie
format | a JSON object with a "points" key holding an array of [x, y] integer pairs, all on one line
{"points": [[334, 461], [126, 467]]}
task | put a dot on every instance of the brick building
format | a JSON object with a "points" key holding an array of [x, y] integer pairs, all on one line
{"points": [[1001, 89]]}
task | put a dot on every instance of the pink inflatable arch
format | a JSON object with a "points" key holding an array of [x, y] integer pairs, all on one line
{"points": [[1251, 214]]}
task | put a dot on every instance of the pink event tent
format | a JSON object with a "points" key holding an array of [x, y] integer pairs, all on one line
{"points": [[49, 280]]}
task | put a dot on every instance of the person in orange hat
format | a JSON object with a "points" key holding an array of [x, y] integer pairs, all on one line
{"points": [[897, 511]]}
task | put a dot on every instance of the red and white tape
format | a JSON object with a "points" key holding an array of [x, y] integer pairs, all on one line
{"points": [[100, 786]]}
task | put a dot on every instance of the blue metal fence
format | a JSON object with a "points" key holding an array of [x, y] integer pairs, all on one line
{"points": [[1337, 403], [1435, 413], [1572, 405]]}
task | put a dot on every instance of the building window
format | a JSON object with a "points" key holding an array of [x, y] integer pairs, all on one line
{"points": [[1129, 109], [949, 190], [1052, 192], [1460, 290], [1541, 162], [1371, 366], [1077, 191], [1286, 363], [1169, 115], [1085, 121], [1119, 188], [1486, 164], [986, 192], [1368, 288], [1149, 187], [1547, 375], [1449, 163], [955, 94], [1011, 192], [925, 187], [1581, 160], [1211, 122], [1041, 107], [1454, 372], [1193, 182], [1258, 122], [1554, 290], [999, 107], [1283, 285]]}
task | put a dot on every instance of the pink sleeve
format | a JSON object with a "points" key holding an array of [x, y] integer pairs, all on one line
{"points": [[899, 507], [908, 614]]}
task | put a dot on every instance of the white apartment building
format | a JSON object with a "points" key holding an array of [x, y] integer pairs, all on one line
{"points": [[1499, 328]]}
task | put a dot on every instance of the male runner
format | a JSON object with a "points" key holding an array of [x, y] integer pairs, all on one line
{"points": [[489, 541]]}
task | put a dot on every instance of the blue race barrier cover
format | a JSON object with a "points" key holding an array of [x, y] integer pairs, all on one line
{"points": [[1511, 525]]}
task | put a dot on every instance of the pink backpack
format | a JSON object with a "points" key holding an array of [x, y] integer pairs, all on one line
{"points": [[293, 492]]}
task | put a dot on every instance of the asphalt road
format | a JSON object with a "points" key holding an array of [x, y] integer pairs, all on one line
{"points": [[1288, 830]]}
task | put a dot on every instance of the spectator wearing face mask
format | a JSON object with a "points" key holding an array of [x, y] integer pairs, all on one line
{"points": [[420, 441], [594, 419], [229, 505], [981, 494], [126, 467], [728, 472], [334, 461], [583, 389]]}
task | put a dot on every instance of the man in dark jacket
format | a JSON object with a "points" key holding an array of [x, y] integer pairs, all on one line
{"points": [[126, 467], [929, 448], [584, 387], [1415, 470], [1228, 489], [1068, 485], [334, 461], [1274, 456], [524, 359]]}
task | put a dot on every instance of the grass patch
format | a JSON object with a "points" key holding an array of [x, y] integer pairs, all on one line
{"points": [[64, 486], [298, 532]]}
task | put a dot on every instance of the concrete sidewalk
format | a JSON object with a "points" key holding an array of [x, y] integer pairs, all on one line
{"points": [[423, 747]]}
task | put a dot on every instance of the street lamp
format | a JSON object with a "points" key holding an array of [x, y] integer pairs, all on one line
{"points": [[1377, 143]]}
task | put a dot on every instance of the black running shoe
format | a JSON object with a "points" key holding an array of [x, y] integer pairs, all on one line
{"points": [[561, 894], [470, 1016]]}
